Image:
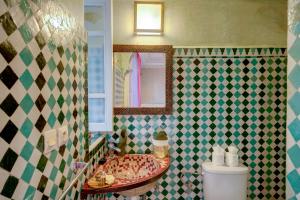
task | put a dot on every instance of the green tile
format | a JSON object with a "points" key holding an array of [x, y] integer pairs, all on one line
{"points": [[51, 64], [26, 56], [51, 46], [25, 7], [53, 173], [53, 191], [51, 83], [26, 128], [26, 79], [51, 120], [30, 192], [28, 172], [53, 156], [51, 101], [25, 33], [27, 151], [26, 104]]}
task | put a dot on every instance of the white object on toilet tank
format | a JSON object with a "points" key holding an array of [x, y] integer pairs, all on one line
{"points": [[224, 183], [218, 155]]}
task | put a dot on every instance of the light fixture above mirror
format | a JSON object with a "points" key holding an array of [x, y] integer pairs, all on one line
{"points": [[148, 18]]}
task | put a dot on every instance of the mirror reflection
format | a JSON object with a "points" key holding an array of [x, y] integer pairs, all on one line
{"points": [[139, 79]]}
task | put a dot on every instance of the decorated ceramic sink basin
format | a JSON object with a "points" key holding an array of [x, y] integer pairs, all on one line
{"points": [[134, 174]]}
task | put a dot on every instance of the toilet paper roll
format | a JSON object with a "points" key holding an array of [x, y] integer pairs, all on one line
{"points": [[217, 159], [232, 160]]}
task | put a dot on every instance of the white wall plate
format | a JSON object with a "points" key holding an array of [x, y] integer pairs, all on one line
{"points": [[63, 135], [50, 140]]}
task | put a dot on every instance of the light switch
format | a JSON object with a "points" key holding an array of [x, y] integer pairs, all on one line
{"points": [[63, 135], [50, 140]]}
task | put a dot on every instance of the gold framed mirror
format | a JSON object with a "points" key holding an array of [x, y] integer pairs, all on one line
{"points": [[142, 79]]}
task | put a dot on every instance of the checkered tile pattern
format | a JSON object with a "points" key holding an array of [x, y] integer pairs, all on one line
{"points": [[293, 110], [42, 87], [220, 96]]}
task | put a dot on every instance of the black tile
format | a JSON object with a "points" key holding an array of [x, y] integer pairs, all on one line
{"points": [[8, 160], [75, 113], [74, 71], [75, 141], [61, 51], [62, 166], [40, 123], [40, 81], [7, 23], [44, 197], [61, 117], [41, 61], [10, 186], [60, 67], [62, 150], [75, 127], [8, 77], [40, 102], [75, 155], [62, 182], [74, 85], [74, 99], [42, 184], [39, 38], [60, 84], [7, 51], [42, 163], [40, 144], [9, 105], [246, 62], [9, 131]]}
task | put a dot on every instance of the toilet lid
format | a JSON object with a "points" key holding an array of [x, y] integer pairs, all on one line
{"points": [[209, 167]]}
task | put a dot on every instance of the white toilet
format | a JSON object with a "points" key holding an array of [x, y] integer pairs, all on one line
{"points": [[224, 183]]}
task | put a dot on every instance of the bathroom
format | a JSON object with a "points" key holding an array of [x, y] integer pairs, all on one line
{"points": [[233, 79]]}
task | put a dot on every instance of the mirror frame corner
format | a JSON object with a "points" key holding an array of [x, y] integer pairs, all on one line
{"points": [[167, 110]]}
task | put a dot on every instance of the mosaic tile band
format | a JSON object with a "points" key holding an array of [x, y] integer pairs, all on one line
{"points": [[224, 100], [293, 111], [42, 87]]}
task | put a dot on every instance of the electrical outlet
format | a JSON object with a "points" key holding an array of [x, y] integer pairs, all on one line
{"points": [[50, 140], [63, 135]]}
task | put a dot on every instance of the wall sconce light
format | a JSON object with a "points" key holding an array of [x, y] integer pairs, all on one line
{"points": [[148, 18]]}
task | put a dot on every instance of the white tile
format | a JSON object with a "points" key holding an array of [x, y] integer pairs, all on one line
{"points": [[48, 187], [17, 65], [16, 171], [19, 117], [17, 15], [3, 149], [3, 8], [35, 157], [34, 48], [20, 190], [4, 176], [34, 136], [18, 143], [3, 34], [17, 41]]}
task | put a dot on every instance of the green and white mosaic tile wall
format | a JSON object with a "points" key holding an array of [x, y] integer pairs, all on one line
{"points": [[293, 110], [42, 87], [220, 96]]}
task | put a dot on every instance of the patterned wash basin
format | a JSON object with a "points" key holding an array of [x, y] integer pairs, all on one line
{"points": [[132, 172], [132, 168]]}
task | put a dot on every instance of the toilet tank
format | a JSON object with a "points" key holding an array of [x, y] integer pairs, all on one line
{"points": [[224, 183]]}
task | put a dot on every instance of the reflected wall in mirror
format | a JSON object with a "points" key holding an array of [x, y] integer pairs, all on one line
{"points": [[142, 79]]}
